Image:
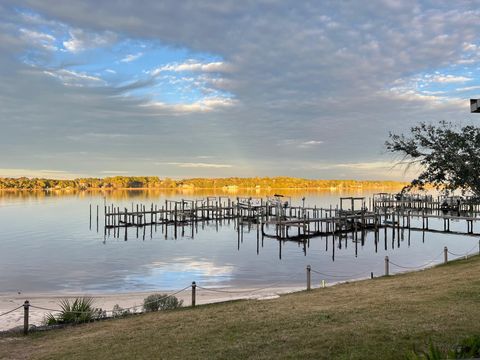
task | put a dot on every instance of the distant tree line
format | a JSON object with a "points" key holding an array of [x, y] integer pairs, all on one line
{"points": [[154, 182]]}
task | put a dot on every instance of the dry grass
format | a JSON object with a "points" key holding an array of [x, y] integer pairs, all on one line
{"points": [[372, 319]]}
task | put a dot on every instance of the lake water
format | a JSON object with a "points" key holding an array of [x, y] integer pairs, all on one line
{"points": [[47, 246]]}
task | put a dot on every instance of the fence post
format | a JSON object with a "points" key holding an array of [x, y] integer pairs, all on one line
{"points": [[194, 290], [478, 247], [309, 269], [445, 255], [386, 266], [26, 306]]}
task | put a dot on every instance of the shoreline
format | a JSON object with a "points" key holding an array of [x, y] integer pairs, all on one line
{"points": [[238, 189], [211, 295], [106, 301]]}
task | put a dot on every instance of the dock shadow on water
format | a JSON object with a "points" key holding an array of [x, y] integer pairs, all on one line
{"points": [[92, 243]]}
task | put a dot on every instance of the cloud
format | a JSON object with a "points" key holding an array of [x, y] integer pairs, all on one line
{"points": [[114, 172], [193, 65], [74, 78], [38, 38], [97, 136], [199, 165], [81, 40], [468, 88], [450, 79], [131, 57], [205, 105], [302, 144], [33, 173], [345, 74], [310, 143]]}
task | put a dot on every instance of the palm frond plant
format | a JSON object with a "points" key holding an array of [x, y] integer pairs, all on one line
{"points": [[79, 310]]}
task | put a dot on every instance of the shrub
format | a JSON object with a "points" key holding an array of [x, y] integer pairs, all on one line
{"points": [[157, 302], [118, 311], [79, 311]]}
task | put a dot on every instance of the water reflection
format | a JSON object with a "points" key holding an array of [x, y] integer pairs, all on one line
{"points": [[51, 243]]}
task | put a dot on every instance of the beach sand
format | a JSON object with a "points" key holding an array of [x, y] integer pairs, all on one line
{"points": [[9, 301]]}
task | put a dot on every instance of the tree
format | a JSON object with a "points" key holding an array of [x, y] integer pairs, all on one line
{"points": [[449, 156]]}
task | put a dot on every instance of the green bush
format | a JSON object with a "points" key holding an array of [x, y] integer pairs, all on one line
{"points": [[79, 311], [156, 302]]}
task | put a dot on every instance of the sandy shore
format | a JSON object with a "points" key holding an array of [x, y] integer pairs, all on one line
{"points": [[9, 301]]}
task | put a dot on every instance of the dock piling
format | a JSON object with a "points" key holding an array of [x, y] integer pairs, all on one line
{"points": [[309, 273]]}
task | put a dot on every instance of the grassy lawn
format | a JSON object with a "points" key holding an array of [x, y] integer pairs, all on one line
{"points": [[372, 319]]}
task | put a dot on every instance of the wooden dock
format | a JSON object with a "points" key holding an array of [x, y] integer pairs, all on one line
{"points": [[277, 218]]}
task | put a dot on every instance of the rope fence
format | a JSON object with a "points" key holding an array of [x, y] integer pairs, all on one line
{"points": [[102, 314], [419, 266], [469, 252], [10, 311]]}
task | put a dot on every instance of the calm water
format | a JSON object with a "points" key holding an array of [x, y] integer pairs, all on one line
{"points": [[47, 246]]}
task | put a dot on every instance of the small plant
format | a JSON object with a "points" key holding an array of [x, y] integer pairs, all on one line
{"points": [[468, 348], [79, 311], [156, 302], [118, 311], [433, 353]]}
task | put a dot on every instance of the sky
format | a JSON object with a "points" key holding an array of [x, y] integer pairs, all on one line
{"points": [[228, 88]]}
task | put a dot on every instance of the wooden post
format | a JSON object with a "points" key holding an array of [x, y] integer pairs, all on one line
{"points": [[387, 272], [445, 255], [309, 273], [26, 306], [194, 290]]}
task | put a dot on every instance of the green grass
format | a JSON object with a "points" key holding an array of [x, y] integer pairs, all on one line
{"points": [[384, 318]]}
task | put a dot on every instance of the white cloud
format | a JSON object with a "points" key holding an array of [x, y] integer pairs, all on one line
{"points": [[198, 165], [449, 79], [204, 105], [310, 143], [302, 144], [74, 78], [81, 40], [37, 36], [194, 66], [131, 57], [429, 99], [468, 88], [114, 172]]}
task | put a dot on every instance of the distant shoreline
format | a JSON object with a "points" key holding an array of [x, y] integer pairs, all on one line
{"points": [[193, 184]]}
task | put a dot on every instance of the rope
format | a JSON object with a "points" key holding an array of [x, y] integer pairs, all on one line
{"points": [[337, 276], [154, 301], [108, 311], [419, 266], [246, 291], [462, 255], [10, 311], [53, 310]]}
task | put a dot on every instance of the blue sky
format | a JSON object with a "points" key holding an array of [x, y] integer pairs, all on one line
{"points": [[168, 75], [255, 88]]}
